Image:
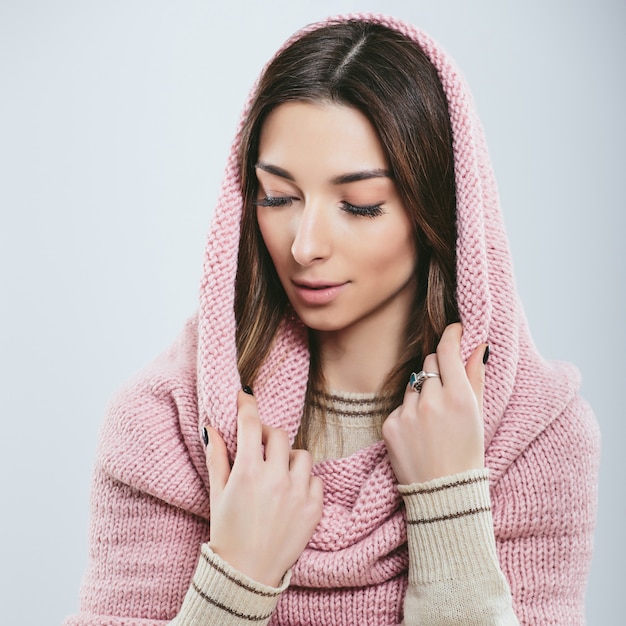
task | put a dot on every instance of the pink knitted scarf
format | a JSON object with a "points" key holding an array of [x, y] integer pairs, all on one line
{"points": [[358, 552]]}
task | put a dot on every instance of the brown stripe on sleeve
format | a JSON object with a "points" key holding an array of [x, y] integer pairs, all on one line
{"points": [[219, 605], [451, 516], [240, 583], [458, 483]]}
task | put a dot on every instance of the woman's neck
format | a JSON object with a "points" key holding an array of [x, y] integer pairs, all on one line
{"points": [[358, 359]]}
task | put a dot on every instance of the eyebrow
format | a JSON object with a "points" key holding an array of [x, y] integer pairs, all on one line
{"points": [[343, 179]]}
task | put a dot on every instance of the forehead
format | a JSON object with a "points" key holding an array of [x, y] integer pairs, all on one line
{"points": [[334, 137]]}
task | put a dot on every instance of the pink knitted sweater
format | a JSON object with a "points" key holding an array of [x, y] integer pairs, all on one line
{"points": [[150, 495]]}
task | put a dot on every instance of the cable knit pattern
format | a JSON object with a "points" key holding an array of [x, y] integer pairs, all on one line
{"points": [[150, 497]]}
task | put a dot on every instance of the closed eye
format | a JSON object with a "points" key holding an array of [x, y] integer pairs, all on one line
{"points": [[367, 210], [274, 201]]}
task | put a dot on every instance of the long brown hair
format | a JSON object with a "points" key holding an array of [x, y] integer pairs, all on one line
{"points": [[390, 80]]}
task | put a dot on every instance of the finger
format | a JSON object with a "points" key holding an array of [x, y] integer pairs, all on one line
{"points": [[409, 401], [431, 364], [475, 369], [316, 488], [411, 397], [249, 429], [217, 463], [277, 446], [451, 366], [300, 463]]}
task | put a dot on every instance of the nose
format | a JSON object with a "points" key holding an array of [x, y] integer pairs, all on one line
{"points": [[312, 241]]}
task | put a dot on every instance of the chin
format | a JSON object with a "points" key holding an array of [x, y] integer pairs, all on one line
{"points": [[321, 325], [323, 322]]}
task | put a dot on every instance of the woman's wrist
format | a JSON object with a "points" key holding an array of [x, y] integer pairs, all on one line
{"points": [[251, 568]]}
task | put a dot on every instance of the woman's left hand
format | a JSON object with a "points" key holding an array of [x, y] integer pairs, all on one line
{"points": [[439, 431]]}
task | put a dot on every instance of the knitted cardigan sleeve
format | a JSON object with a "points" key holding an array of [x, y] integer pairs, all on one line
{"points": [[544, 509], [143, 552], [149, 498]]}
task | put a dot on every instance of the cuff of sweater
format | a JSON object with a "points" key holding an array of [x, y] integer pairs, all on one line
{"points": [[217, 589], [449, 527]]}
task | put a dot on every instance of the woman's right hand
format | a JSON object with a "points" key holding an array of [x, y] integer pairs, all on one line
{"points": [[265, 508]]}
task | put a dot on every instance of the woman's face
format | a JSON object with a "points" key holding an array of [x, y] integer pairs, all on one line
{"points": [[332, 219]]}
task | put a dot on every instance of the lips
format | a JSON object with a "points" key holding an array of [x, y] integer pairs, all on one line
{"points": [[317, 284], [318, 292]]}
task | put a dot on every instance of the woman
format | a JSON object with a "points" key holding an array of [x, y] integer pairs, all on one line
{"points": [[358, 223]]}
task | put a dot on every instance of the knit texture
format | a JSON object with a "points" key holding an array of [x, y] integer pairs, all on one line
{"points": [[351, 422], [150, 496]]}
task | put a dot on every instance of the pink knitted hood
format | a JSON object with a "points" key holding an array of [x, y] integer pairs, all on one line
{"points": [[361, 540], [488, 303]]}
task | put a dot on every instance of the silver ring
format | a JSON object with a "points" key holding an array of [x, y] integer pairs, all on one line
{"points": [[417, 380]]}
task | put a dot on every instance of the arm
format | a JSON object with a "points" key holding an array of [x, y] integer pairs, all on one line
{"points": [[435, 439], [142, 553], [142, 558], [150, 505], [544, 517], [264, 510], [144, 549]]}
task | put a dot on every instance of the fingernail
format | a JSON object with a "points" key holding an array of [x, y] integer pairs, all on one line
{"points": [[486, 354], [205, 436], [247, 390]]}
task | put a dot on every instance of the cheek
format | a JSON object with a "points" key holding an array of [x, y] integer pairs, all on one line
{"points": [[393, 252], [406, 246], [276, 237]]}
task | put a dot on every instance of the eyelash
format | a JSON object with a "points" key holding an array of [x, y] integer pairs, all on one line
{"points": [[369, 210], [274, 201]]}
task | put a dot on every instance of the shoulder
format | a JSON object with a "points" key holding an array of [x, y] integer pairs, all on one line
{"points": [[544, 408], [149, 439], [550, 486]]}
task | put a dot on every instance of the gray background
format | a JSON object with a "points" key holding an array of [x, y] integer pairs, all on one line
{"points": [[115, 121]]}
